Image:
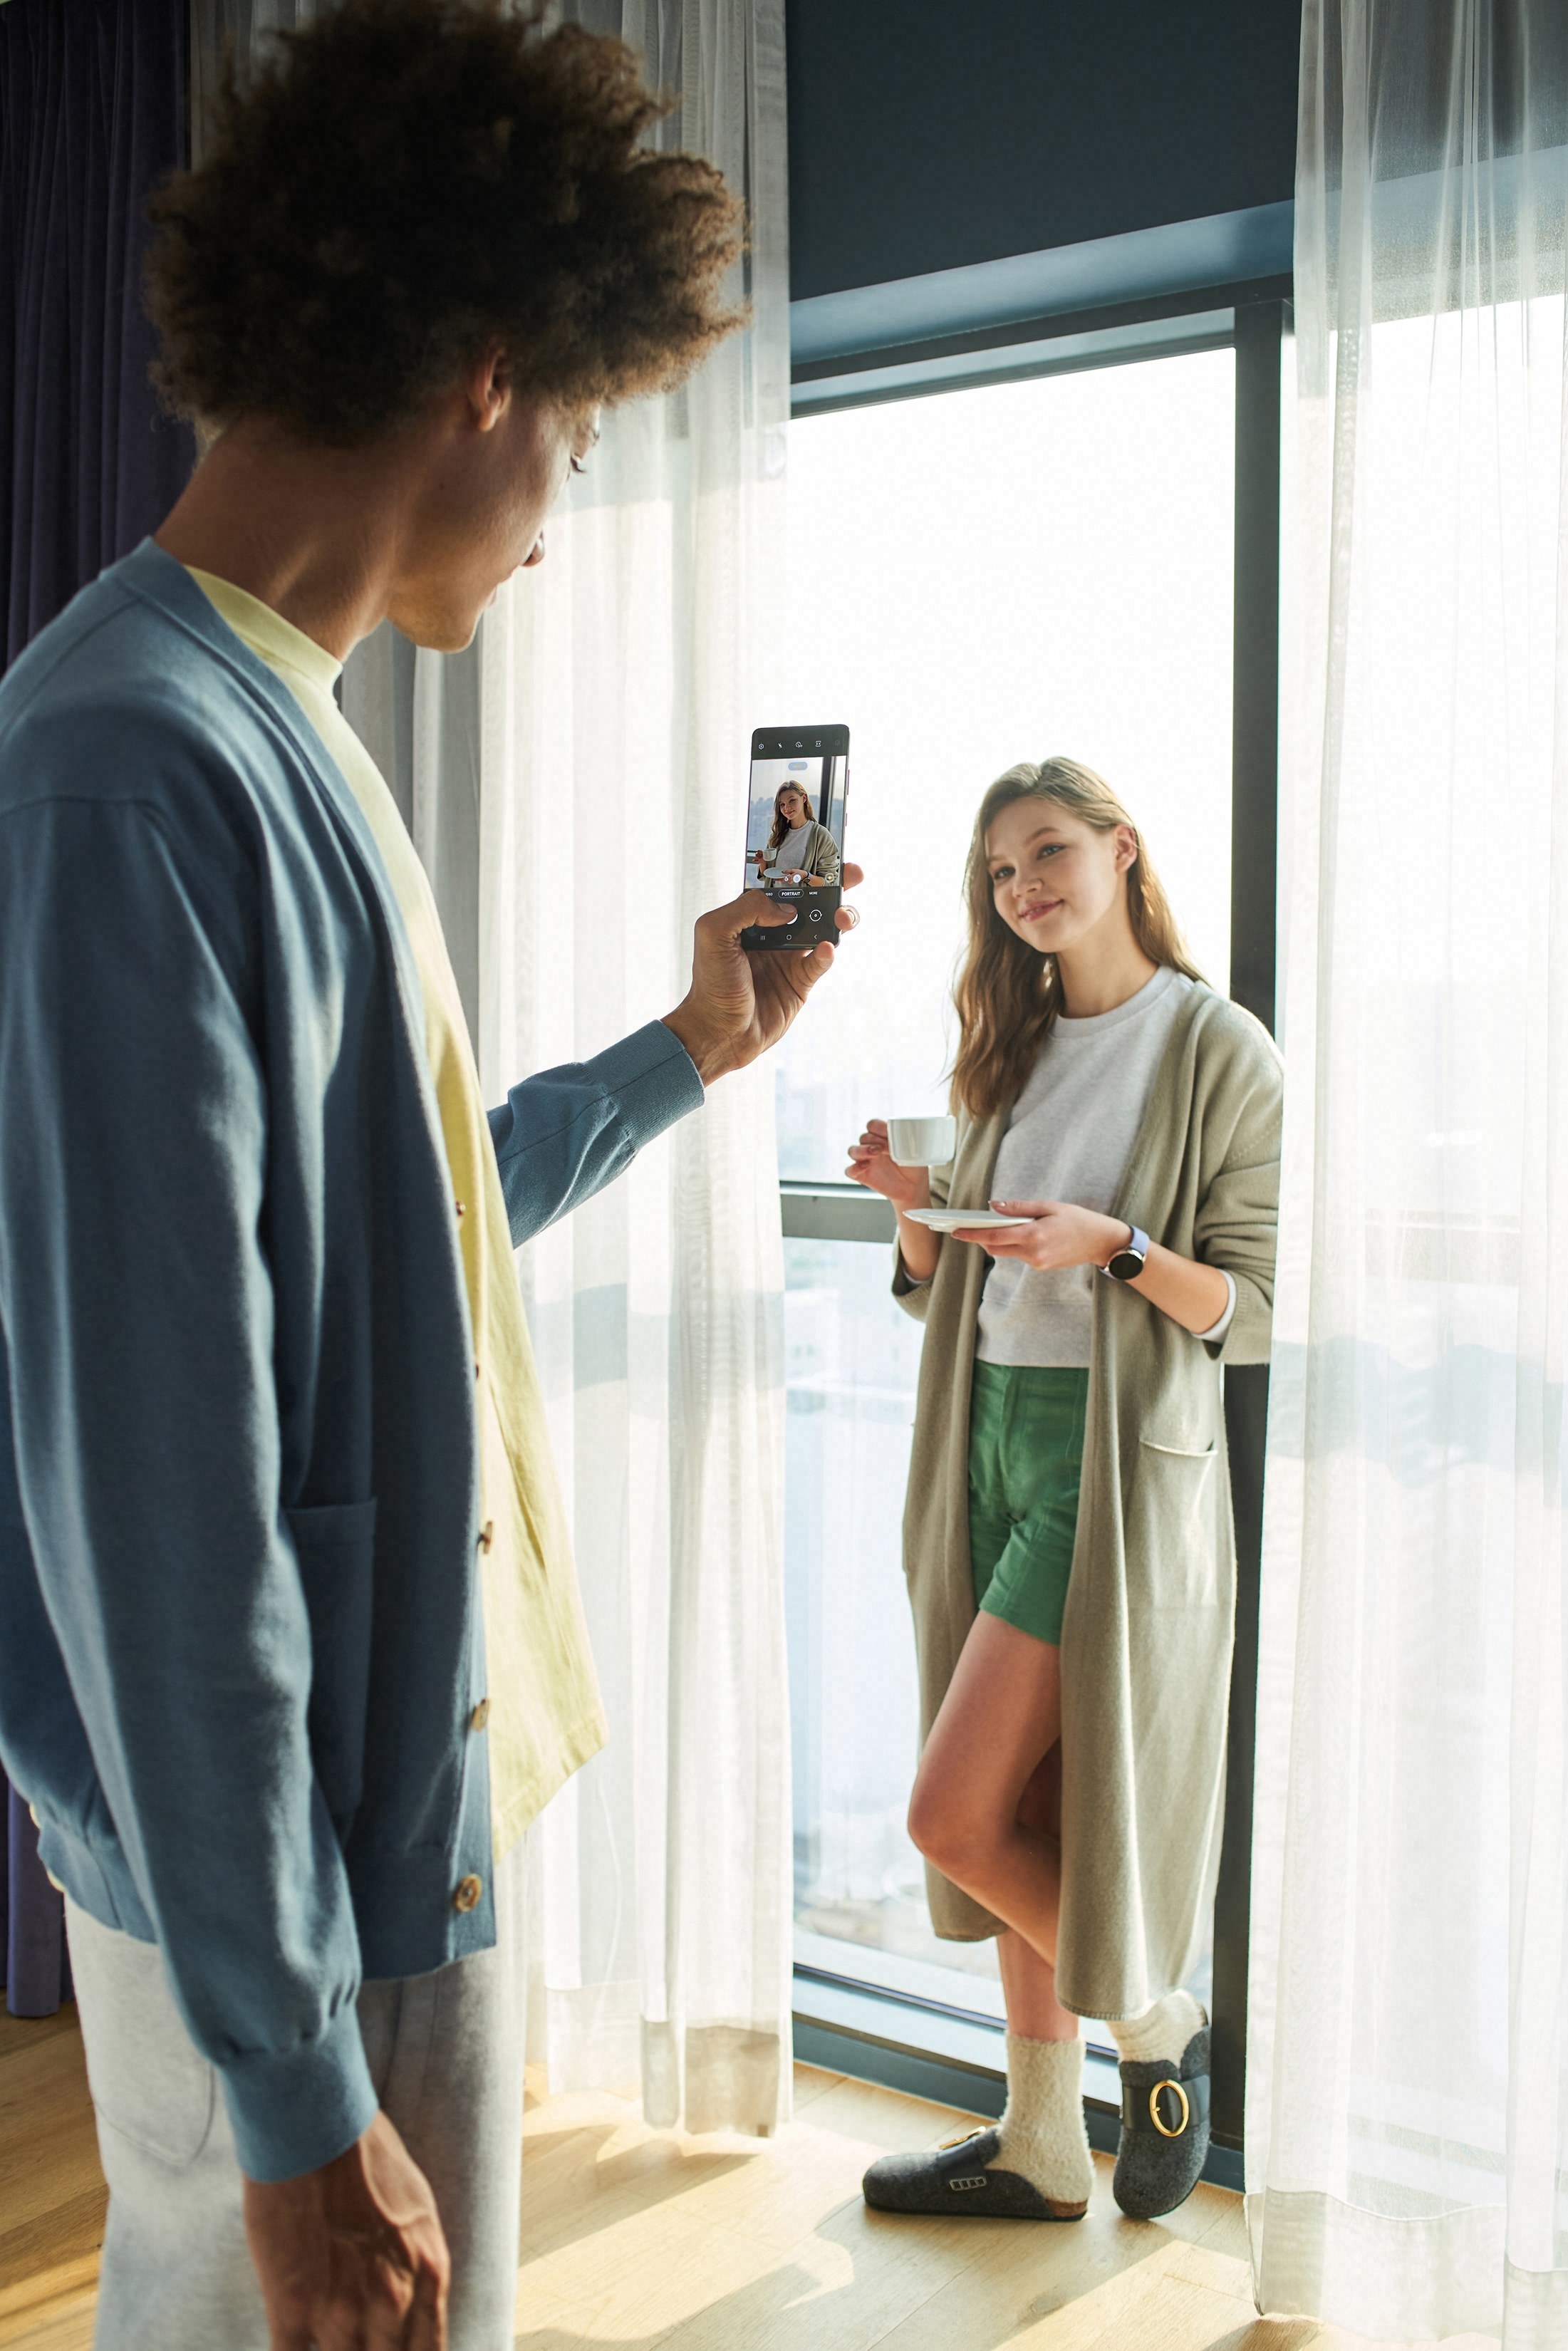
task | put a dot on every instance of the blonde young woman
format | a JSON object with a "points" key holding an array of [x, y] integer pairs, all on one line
{"points": [[1068, 1532], [799, 848]]}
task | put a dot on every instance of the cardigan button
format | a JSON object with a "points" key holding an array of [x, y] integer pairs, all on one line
{"points": [[487, 1534], [458, 1206], [469, 1893], [480, 1716]]}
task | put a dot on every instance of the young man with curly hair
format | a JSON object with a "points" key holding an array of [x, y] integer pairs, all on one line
{"points": [[277, 1464]]}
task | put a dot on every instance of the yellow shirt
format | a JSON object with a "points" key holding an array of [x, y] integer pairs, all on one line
{"points": [[545, 1717]]}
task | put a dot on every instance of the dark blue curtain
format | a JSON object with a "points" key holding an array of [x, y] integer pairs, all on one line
{"points": [[92, 114]]}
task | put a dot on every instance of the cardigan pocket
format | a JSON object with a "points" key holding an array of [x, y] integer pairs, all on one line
{"points": [[336, 1550], [1171, 1548]]}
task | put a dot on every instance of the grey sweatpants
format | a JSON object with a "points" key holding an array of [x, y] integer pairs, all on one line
{"points": [[446, 2053]]}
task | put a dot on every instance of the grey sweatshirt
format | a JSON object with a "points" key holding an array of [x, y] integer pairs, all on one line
{"points": [[1070, 1138]]}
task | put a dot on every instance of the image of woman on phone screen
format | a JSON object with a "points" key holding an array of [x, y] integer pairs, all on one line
{"points": [[799, 849], [1068, 1531]]}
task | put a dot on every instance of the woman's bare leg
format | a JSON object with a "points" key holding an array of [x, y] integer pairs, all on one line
{"points": [[969, 1814], [986, 1810], [1028, 1984], [1028, 1989]]}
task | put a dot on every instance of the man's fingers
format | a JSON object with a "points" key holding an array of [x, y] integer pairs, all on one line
{"points": [[755, 908], [853, 876], [341, 2327], [427, 2325], [815, 962], [751, 907]]}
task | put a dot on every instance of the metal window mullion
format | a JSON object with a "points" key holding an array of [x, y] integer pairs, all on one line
{"points": [[1254, 857]]}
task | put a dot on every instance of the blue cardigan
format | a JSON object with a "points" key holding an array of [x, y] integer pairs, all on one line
{"points": [[239, 1632]]}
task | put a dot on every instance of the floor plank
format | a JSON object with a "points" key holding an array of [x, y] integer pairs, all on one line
{"points": [[52, 2197], [648, 2240]]}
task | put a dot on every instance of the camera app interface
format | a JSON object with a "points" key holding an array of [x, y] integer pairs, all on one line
{"points": [[795, 827]]}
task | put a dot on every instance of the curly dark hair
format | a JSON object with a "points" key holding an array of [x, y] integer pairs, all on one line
{"points": [[408, 179]]}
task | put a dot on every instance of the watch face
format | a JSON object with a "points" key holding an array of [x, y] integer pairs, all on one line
{"points": [[1127, 1265]]}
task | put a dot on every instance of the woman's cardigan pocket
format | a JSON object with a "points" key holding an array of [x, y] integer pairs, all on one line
{"points": [[1171, 1538]]}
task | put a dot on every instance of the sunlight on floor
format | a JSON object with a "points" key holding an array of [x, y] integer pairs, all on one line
{"points": [[633, 2239]]}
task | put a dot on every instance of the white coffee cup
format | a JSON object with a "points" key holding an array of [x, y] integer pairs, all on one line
{"points": [[922, 1141]]}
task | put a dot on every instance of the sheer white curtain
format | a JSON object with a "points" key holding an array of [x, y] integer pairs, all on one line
{"points": [[618, 684], [576, 784], [1408, 2117]]}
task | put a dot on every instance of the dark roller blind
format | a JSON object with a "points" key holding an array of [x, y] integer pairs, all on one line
{"points": [[935, 133]]}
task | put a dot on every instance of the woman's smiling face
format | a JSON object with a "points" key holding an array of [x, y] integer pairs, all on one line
{"points": [[1053, 877], [792, 805]]}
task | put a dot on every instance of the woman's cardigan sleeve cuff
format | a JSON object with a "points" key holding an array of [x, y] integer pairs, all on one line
{"points": [[1214, 1336], [915, 1297], [293, 2111]]}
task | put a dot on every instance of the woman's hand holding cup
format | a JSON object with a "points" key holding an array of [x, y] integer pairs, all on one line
{"points": [[873, 1164]]}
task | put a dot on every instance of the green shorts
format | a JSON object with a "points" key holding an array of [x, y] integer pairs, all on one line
{"points": [[1026, 1452]]}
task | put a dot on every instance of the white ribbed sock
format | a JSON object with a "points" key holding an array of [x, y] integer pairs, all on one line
{"points": [[1043, 2137], [1162, 2031]]}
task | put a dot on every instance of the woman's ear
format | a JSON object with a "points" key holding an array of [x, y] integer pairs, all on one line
{"points": [[1127, 847]]}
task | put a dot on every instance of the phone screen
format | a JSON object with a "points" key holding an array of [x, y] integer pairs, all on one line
{"points": [[795, 829]]}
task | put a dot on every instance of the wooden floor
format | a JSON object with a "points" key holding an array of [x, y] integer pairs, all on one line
{"points": [[633, 2239], [52, 2195]]}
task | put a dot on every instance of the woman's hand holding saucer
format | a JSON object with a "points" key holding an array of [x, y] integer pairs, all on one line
{"points": [[873, 1164], [1058, 1235]]}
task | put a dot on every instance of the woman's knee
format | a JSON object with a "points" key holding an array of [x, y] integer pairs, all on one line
{"points": [[948, 1828]]}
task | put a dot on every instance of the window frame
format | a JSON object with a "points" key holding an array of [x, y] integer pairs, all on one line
{"points": [[919, 2046]]}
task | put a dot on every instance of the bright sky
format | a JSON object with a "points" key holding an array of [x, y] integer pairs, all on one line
{"points": [[978, 578]]}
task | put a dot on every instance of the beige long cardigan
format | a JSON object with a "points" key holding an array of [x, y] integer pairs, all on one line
{"points": [[1146, 1638]]}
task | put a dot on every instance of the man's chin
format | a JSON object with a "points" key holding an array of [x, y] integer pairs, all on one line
{"points": [[440, 632]]}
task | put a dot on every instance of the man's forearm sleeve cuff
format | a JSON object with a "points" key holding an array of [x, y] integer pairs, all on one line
{"points": [[652, 1077], [294, 2112]]}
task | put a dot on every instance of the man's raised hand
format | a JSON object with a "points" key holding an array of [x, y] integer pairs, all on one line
{"points": [[739, 1004]]}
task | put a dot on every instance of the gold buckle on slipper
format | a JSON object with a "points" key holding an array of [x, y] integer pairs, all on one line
{"points": [[1158, 2120]]}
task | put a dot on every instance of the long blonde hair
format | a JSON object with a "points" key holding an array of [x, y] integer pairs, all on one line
{"points": [[1008, 995]]}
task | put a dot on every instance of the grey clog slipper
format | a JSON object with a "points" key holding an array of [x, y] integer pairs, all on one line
{"points": [[958, 2179], [1164, 2131]]}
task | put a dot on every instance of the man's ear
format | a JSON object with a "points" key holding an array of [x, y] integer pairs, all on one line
{"points": [[488, 385]]}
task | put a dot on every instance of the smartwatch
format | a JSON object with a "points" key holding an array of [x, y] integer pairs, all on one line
{"points": [[1128, 1261]]}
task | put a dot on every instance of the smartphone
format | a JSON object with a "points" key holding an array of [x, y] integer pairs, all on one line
{"points": [[795, 830]]}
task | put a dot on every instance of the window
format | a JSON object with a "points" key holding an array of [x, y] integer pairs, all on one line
{"points": [[981, 576], [976, 577]]}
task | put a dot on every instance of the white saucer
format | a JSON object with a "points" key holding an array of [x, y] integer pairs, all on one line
{"points": [[950, 1220]]}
